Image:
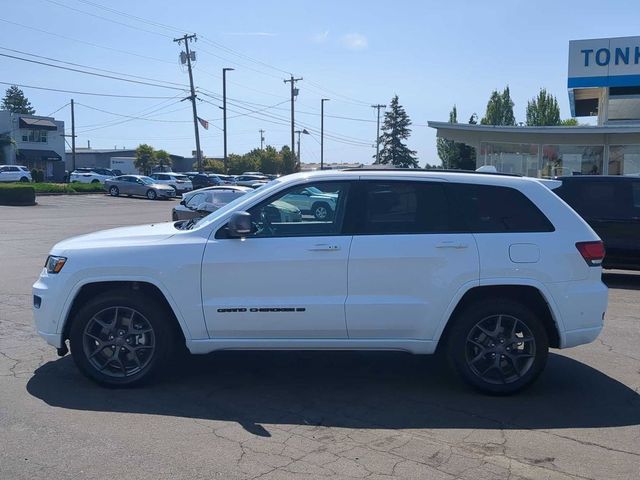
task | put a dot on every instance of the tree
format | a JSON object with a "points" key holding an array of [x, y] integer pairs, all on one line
{"points": [[213, 165], [238, 164], [394, 130], [163, 159], [289, 161], [15, 101], [5, 141], [447, 150], [145, 158], [270, 160], [499, 109], [458, 156], [543, 110]]}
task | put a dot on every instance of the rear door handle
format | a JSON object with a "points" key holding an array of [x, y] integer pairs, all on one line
{"points": [[451, 245], [323, 247]]}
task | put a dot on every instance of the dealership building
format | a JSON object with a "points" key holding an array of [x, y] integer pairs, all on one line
{"points": [[604, 81]]}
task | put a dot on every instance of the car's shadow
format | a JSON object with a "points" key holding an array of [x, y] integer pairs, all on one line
{"points": [[347, 389], [622, 280]]}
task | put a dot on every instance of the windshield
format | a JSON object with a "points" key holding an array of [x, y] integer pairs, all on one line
{"points": [[147, 180]]}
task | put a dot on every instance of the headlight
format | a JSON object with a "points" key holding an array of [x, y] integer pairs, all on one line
{"points": [[54, 264]]}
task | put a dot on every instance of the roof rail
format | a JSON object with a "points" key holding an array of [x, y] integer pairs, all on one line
{"points": [[437, 170]]}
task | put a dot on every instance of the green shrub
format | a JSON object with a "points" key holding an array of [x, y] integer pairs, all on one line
{"points": [[17, 194], [37, 175]]}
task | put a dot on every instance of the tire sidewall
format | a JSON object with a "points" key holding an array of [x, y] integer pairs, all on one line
{"points": [[466, 320], [158, 319], [323, 205], [114, 191], [151, 194]]}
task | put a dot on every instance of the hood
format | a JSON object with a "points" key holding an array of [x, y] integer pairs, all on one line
{"points": [[125, 236]]}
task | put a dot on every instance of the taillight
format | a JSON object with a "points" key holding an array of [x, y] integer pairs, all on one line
{"points": [[592, 252]]}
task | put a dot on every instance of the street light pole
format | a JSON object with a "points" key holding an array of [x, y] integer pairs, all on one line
{"points": [[224, 112], [322, 132]]}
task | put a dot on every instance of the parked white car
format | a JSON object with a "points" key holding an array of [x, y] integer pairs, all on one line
{"points": [[491, 270], [178, 181], [14, 173], [313, 201], [91, 175]]}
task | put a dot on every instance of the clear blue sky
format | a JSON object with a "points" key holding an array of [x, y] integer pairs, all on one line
{"points": [[432, 54]]}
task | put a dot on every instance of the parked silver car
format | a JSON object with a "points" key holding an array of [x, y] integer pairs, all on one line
{"points": [[138, 185]]}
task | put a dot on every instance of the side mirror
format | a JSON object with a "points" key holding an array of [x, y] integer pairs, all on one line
{"points": [[239, 224], [182, 202]]}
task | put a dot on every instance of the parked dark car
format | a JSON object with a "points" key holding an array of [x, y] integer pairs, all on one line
{"points": [[611, 205], [202, 180]]}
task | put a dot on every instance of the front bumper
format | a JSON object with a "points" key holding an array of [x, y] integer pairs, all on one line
{"points": [[47, 308], [166, 193]]}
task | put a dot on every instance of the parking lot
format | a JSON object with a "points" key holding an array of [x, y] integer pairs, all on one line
{"points": [[275, 415]]}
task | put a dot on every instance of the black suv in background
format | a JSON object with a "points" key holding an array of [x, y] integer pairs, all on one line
{"points": [[611, 205]]}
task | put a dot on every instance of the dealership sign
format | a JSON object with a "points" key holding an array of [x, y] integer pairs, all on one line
{"points": [[604, 62]]}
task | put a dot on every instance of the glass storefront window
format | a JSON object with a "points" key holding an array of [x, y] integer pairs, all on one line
{"points": [[624, 160], [518, 158], [559, 160]]}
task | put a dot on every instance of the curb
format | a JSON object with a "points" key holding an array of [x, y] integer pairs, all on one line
{"points": [[53, 194]]}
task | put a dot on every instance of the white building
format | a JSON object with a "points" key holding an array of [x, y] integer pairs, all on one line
{"points": [[603, 81], [36, 142]]}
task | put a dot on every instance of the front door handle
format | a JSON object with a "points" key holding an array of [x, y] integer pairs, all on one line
{"points": [[457, 245], [324, 247]]}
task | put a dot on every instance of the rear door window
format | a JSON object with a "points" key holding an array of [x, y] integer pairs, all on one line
{"points": [[496, 209]]}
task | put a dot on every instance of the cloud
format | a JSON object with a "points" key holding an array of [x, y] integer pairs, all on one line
{"points": [[251, 34], [320, 37], [354, 41]]}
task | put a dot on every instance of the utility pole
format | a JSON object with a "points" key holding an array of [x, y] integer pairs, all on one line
{"points": [[186, 39], [262, 138], [224, 112], [304, 130], [73, 138], [378, 107], [322, 132], [294, 92]]}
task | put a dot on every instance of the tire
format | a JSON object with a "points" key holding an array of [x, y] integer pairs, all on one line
{"points": [[151, 194], [95, 181], [114, 191], [142, 331], [322, 211], [174, 217], [483, 347], [24, 180]]}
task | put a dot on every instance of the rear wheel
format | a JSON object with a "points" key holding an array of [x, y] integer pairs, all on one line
{"points": [[120, 339], [24, 179], [95, 180], [114, 191], [498, 346], [151, 194]]}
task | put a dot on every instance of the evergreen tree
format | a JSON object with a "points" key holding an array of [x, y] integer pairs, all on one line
{"points": [[163, 158], [15, 101], [499, 109], [543, 110], [447, 150], [289, 162], [394, 130]]}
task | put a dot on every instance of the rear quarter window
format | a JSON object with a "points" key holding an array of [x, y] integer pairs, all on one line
{"points": [[496, 209]]}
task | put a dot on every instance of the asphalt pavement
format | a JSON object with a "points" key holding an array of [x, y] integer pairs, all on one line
{"points": [[299, 415]]}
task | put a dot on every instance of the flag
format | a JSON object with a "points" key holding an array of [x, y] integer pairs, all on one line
{"points": [[204, 123]]}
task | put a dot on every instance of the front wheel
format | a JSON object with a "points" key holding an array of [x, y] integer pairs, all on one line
{"points": [[498, 346], [24, 180], [321, 211], [151, 194], [120, 339], [114, 192], [95, 181]]}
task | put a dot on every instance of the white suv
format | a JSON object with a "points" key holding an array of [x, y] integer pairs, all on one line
{"points": [[91, 175], [14, 173], [491, 270], [179, 182]]}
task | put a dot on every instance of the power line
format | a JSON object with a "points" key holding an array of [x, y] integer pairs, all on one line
{"points": [[81, 93], [139, 55], [90, 67], [133, 117], [88, 73]]}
